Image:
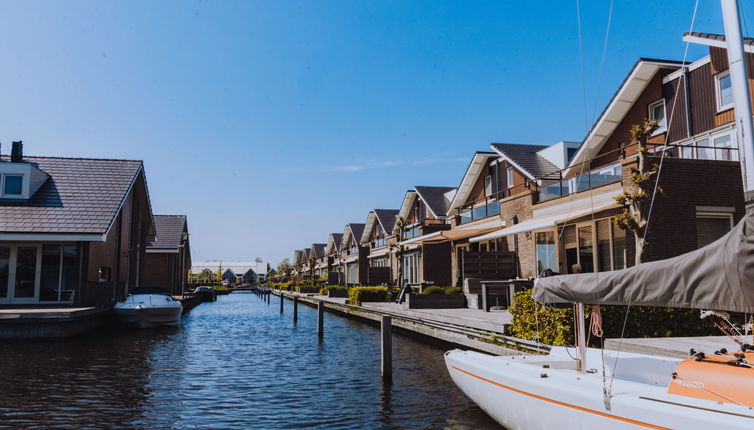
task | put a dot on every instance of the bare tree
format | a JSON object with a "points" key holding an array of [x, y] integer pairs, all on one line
{"points": [[635, 202]]}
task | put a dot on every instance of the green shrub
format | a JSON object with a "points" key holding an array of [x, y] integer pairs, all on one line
{"points": [[433, 290], [323, 291], [357, 295], [453, 290], [556, 324]]}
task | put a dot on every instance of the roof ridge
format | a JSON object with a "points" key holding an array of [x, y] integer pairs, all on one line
{"points": [[51, 157]]}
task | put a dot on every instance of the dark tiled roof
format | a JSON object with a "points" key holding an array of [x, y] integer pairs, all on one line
{"points": [[526, 156], [386, 218], [434, 198], [168, 231], [357, 230], [82, 196], [719, 37], [337, 238], [319, 249]]}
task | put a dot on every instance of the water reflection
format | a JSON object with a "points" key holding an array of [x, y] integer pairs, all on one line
{"points": [[235, 363]]}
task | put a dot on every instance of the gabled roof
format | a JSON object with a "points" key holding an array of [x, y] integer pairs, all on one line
{"points": [[622, 101], [297, 254], [408, 201], [318, 249], [81, 197], [478, 162], [354, 230], [169, 231], [715, 40], [525, 158], [384, 218], [333, 243], [436, 199]]}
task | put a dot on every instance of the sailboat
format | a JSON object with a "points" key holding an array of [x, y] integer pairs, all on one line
{"points": [[712, 389]]}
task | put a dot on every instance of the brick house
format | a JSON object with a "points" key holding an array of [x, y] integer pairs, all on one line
{"points": [[168, 256], [567, 215], [72, 230], [354, 255], [317, 254], [378, 232], [334, 261]]}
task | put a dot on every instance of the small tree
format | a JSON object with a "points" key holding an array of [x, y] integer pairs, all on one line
{"points": [[635, 202]]}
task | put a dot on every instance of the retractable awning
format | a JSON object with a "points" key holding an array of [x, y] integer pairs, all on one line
{"points": [[540, 223], [448, 236]]}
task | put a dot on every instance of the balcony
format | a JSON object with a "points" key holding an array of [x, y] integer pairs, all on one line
{"points": [[586, 181], [425, 226], [479, 212], [379, 242]]}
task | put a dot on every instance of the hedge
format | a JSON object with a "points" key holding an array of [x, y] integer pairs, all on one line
{"points": [[357, 295], [323, 291], [433, 290], [556, 324]]}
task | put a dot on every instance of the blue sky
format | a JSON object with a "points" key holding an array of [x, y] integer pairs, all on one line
{"points": [[272, 123]]}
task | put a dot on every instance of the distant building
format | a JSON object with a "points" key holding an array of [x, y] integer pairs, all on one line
{"points": [[168, 256], [238, 272]]}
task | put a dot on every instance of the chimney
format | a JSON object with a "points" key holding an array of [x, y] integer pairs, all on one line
{"points": [[17, 152]]}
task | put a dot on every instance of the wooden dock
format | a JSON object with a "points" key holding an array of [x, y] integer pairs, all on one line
{"points": [[46, 323], [465, 328]]}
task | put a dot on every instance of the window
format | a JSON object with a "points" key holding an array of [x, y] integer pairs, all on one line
{"points": [[545, 248], [509, 177], [724, 148], [411, 268], [717, 146], [657, 112], [488, 186], [12, 185], [710, 227], [724, 92], [570, 153]]}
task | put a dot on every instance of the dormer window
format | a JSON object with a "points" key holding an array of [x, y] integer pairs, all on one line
{"points": [[12, 185], [657, 113]]}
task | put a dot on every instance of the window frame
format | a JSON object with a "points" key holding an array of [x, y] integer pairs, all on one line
{"points": [[664, 126], [509, 177], [719, 94], [715, 215], [4, 182], [488, 186]]}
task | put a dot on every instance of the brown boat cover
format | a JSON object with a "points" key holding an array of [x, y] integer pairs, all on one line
{"points": [[719, 276]]}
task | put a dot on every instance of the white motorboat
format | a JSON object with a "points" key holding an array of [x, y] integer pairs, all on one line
{"points": [[149, 307]]}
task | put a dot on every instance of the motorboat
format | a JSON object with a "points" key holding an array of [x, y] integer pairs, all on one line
{"points": [[205, 293], [149, 307]]}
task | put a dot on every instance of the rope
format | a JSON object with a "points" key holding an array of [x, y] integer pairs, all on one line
{"points": [[581, 65], [602, 63], [596, 321]]}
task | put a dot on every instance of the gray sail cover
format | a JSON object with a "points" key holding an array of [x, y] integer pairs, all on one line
{"points": [[719, 276]]}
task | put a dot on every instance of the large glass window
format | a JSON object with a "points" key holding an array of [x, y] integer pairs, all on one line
{"points": [[12, 185], [545, 242], [26, 271], [50, 279], [586, 249], [604, 260], [724, 92], [411, 268], [709, 228], [725, 148], [619, 248]]}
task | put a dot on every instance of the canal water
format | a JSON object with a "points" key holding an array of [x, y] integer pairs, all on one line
{"points": [[233, 364]]}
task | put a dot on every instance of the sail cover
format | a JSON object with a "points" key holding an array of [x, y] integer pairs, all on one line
{"points": [[719, 276]]}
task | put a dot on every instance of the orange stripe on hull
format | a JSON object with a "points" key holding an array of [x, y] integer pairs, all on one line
{"points": [[579, 408]]}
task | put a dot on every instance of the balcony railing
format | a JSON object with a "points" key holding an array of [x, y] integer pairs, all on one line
{"points": [[479, 212], [379, 242], [586, 181]]}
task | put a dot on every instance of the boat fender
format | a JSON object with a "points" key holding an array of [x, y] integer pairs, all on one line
{"points": [[543, 375]]}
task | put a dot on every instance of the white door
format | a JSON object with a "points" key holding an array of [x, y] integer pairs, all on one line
{"points": [[19, 273]]}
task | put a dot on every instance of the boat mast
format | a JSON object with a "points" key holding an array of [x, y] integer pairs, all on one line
{"points": [[580, 338], [740, 88]]}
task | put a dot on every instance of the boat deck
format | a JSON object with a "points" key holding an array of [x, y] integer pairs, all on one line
{"points": [[673, 346], [61, 313]]}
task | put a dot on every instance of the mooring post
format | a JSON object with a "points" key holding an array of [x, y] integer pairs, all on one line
{"points": [[295, 308], [320, 318], [386, 329], [485, 298], [281, 302]]}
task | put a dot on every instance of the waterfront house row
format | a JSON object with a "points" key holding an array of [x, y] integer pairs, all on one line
{"points": [[520, 210], [81, 231]]}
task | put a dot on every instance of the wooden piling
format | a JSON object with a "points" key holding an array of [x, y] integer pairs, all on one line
{"points": [[320, 318], [386, 343], [281, 302], [295, 308]]}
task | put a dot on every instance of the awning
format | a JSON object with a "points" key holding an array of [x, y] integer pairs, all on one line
{"points": [[540, 223], [379, 252], [453, 235]]}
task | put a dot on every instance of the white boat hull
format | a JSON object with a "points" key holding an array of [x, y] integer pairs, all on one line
{"points": [[515, 393], [149, 310]]}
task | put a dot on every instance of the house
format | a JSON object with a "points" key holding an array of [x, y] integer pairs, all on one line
{"points": [[298, 261], [72, 230], [334, 261], [168, 257], [566, 218], [424, 215], [317, 254], [236, 272], [378, 231], [354, 255]]}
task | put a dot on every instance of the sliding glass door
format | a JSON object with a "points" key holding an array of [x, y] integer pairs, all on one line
{"points": [[19, 273]]}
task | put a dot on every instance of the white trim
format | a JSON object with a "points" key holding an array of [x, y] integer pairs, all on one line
{"points": [[691, 67], [715, 209], [420, 238], [162, 251], [478, 161], [52, 237], [405, 206], [712, 42]]}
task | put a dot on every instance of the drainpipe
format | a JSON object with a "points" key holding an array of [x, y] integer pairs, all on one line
{"points": [[687, 100]]}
